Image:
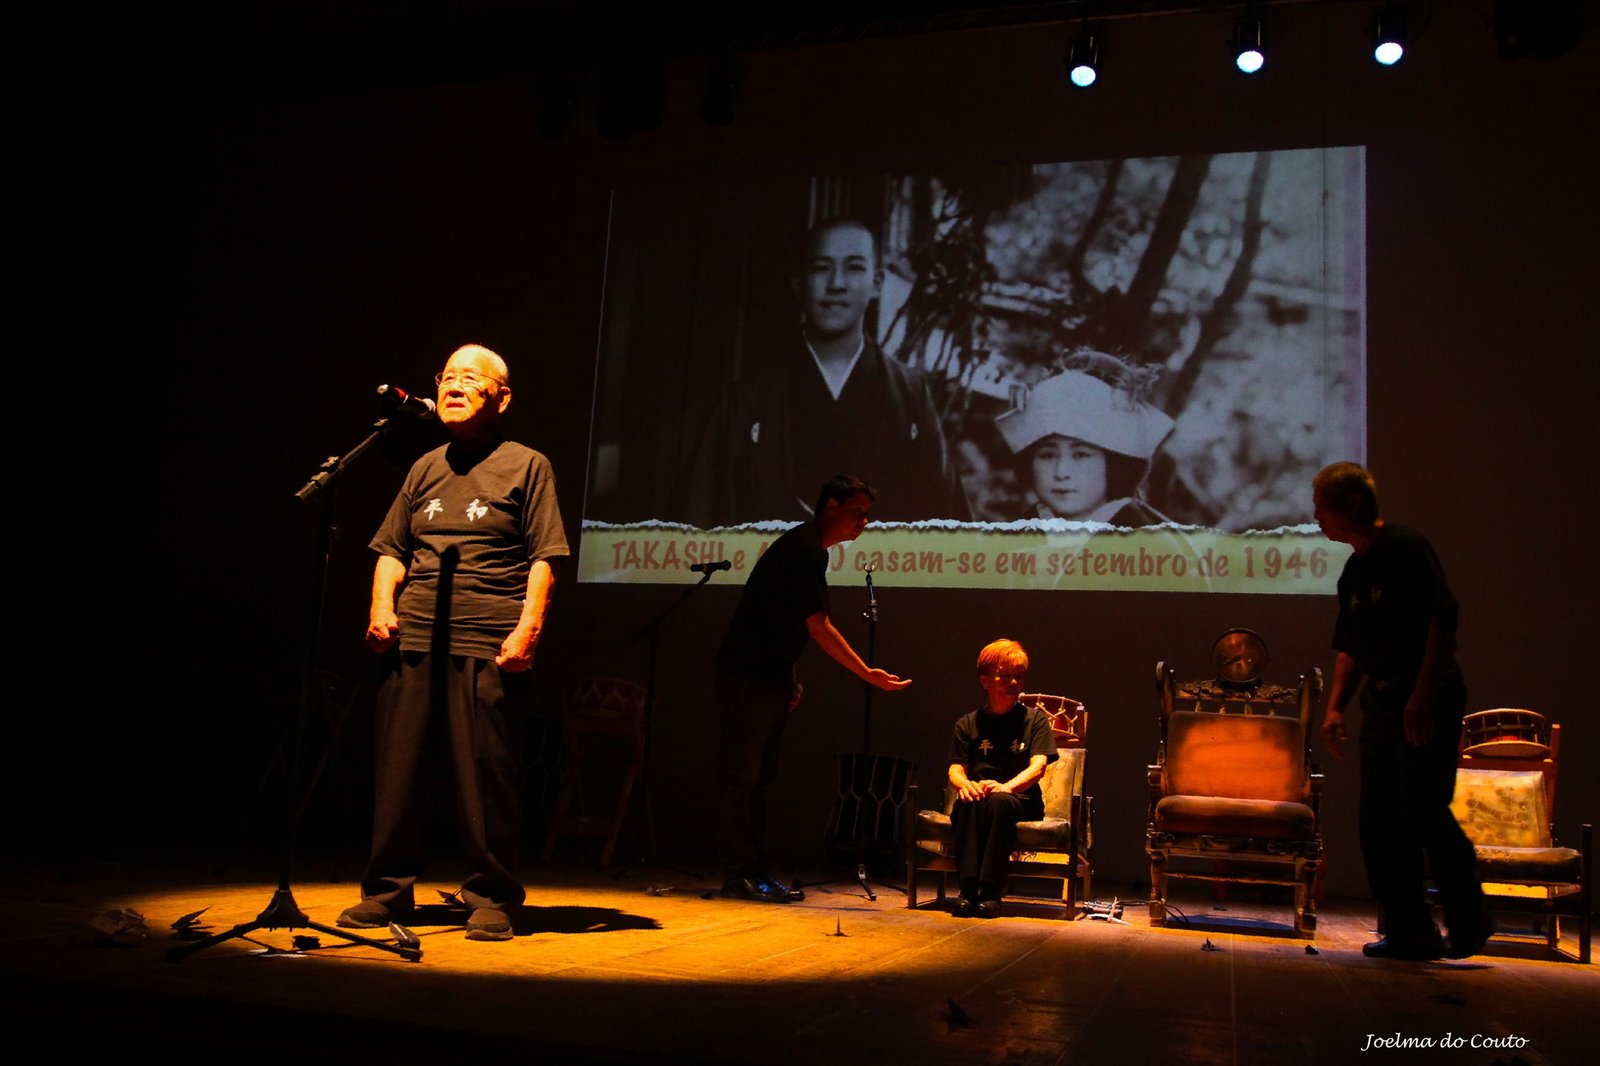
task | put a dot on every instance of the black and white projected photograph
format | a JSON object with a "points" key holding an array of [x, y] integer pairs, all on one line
{"points": [[1108, 374]]}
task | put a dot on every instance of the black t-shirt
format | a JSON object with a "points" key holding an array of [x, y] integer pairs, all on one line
{"points": [[1387, 596], [471, 523], [768, 632], [998, 747]]}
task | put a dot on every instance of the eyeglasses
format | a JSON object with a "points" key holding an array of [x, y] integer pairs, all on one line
{"points": [[467, 379]]}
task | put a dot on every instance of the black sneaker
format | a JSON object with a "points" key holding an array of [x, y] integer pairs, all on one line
{"points": [[756, 888], [1404, 950], [487, 923], [1470, 941], [368, 914], [795, 895]]}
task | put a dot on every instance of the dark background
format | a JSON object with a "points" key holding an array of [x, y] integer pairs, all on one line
{"points": [[225, 235]]}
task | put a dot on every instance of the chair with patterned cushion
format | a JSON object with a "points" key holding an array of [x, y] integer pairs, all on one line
{"points": [[1504, 801], [1233, 794], [1055, 847]]}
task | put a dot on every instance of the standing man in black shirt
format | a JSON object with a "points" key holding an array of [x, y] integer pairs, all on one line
{"points": [[784, 603], [471, 539], [1396, 642], [997, 756]]}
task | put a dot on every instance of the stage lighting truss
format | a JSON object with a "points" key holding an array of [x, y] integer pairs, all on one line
{"points": [[1249, 55], [1083, 58], [1389, 34]]}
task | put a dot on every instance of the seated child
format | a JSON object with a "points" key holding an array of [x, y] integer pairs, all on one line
{"points": [[997, 756]]}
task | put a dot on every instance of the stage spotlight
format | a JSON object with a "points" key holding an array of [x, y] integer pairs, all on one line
{"points": [[1389, 34], [1248, 54], [1083, 58]]}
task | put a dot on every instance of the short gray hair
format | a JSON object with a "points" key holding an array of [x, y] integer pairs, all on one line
{"points": [[1348, 489]]}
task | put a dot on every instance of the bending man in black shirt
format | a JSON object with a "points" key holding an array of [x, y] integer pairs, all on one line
{"points": [[1396, 639], [471, 537], [784, 603], [997, 756]]}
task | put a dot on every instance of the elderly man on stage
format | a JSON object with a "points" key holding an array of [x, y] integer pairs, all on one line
{"points": [[469, 544]]}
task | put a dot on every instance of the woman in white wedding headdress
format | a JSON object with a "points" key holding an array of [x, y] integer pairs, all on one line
{"points": [[1083, 441]]}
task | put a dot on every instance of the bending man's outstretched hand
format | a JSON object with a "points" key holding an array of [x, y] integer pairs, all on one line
{"points": [[832, 641], [885, 680]]}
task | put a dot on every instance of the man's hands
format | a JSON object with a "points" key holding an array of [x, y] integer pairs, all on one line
{"points": [[383, 629], [382, 626], [516, 651], [1333, 734], [1418, 719]]}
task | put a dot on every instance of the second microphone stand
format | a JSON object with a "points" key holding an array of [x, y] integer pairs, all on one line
{"points": [[651, 630], [862, 769]]}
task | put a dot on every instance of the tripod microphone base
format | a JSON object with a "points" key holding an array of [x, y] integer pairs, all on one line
{"points": [[283, 913]]}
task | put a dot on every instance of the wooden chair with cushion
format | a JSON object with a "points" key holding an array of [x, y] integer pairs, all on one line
{"points": [[1233, 795], [1055, 847], [1505, 800], [611, 711]]}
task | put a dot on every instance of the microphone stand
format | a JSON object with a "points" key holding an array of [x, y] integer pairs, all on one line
{"points": [[651, 630], [282, 912], [871, 617]]}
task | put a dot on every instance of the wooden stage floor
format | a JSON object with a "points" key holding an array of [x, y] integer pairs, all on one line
{"points": [[645, 968]]}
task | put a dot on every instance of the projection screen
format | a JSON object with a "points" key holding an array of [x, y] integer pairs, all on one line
{"points": [[1116, 374]]}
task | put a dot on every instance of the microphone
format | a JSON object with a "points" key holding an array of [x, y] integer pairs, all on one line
{"points": [[396, 397], [711, 568]]}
